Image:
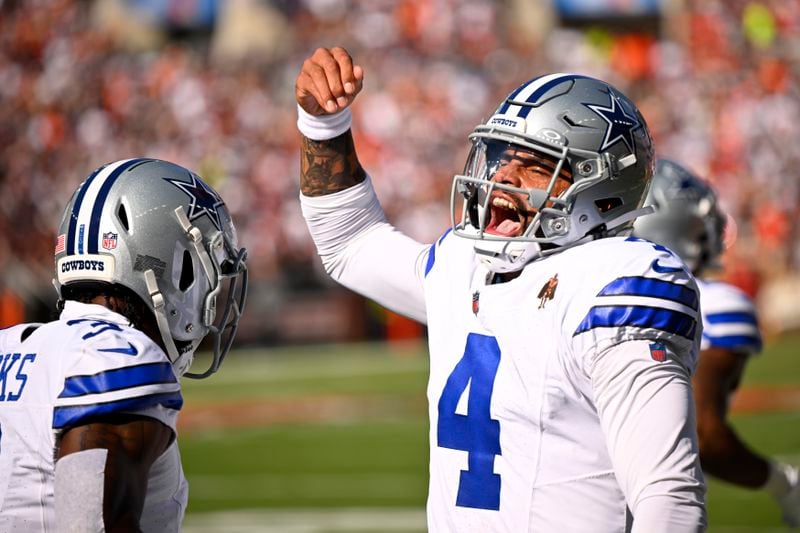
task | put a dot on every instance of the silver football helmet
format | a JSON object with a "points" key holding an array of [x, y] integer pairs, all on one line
{"points": [[687, 217], [585, 128], [157, 229]]}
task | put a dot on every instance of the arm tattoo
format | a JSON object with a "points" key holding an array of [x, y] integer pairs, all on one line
{"points": [[329, 166]]}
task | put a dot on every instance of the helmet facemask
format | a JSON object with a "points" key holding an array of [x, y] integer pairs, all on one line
{"points": [[507, 218], [218, 272]]}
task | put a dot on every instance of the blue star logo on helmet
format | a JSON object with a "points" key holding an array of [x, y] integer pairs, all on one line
{"points": [[620, 126], [203, 200]]}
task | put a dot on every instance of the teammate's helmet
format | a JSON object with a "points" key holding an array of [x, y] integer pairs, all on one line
{"points": [[590, 129], [157, 229], [687, 217]]}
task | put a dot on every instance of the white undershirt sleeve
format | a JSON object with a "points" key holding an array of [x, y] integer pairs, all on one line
{"points": [[647, 414], [79, 485], [365, 253]]}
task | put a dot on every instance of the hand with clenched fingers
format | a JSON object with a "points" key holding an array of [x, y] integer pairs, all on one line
{"points": [[328, 82]]}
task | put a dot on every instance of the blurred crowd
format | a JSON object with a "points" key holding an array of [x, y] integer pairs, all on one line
{"points": [[84, 83]]}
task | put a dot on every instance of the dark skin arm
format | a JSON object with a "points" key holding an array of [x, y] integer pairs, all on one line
{"points": [[722, 452], [133, 444], [327, 83]]}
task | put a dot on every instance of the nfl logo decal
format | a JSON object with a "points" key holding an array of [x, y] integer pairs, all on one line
{"points": [[109, 240], [658, 352], [476, 297]]}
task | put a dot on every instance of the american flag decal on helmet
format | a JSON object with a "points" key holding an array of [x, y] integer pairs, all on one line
{"points": [[658, 352], [60, 244]]}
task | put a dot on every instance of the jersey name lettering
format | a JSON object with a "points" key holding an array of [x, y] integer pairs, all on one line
{"points": [[20, 379]]}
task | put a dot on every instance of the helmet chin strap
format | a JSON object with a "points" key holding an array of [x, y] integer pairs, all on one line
{"points": [[159, 308], [630, 216]]}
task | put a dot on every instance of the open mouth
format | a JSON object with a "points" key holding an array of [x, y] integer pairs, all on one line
{"points": [[506, 217]]}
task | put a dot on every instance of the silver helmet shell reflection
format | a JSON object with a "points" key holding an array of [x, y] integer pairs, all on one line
{"points": [[687, 217], [157, 229], [588, 127]]}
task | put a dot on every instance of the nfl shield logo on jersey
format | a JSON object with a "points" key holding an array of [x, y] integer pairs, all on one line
{"points": [[658, 352], [109, 240]]}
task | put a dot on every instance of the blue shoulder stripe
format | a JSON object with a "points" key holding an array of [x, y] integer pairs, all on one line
{"points": [[432, 251], [735, 342], [651, 288], [740, 317], [74, 415], [641, 317], [118, 379]]}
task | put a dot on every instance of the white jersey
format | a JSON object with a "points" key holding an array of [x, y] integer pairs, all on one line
{"points": [[557, 400], [89, 363], [730, 321]]}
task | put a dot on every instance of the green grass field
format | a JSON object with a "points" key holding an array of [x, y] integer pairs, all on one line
{"points": [[337, 442]]}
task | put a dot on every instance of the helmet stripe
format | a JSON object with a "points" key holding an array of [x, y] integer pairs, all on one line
{"points": [[525, 89], [540, 91], [86, 210], [97, 209], [531, 92], [504, 106], [76, 207]]}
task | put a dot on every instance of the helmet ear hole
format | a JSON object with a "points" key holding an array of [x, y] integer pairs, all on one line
{"points": [[607, 204], [187, 271], [122, 214]]}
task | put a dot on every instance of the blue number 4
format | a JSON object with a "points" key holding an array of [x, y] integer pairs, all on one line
{"points": [[476, 432]]}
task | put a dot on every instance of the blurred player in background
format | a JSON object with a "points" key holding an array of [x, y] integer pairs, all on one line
{"points": [[88, 403], [689, 222], [560, 350]]}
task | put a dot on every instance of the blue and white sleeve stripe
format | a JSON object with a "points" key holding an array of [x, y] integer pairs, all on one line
{"points": [[126, 389], [734, 330], [70, 416], [643, 302]]}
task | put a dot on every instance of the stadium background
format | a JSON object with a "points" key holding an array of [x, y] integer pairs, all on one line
{"points": [[318, 422]]}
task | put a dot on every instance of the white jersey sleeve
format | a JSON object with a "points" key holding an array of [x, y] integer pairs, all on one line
{"points": [[647, 414], [639, 343], [365, 253], [730, 321]]}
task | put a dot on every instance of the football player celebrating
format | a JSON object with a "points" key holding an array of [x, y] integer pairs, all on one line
{"points": [[689, 222], [88, 403], [560, 349]]}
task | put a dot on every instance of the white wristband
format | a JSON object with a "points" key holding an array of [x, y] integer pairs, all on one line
{"points": [[323, 127]]}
